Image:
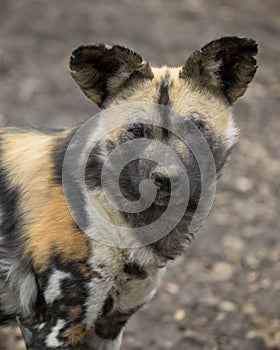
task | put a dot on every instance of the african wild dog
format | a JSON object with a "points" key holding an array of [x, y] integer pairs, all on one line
{"points": [[67, 290]]}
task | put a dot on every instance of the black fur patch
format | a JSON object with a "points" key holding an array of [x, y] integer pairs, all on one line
{"points": [[163, 91], [135, 270], [92, 67], [11, 224], [94, 168], [109, 327], [108, 305], [224, 66], [11, 220], [74, 289], [4, 318], [164, 100], [58, 154]]}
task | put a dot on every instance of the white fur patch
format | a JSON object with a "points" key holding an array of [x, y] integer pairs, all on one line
{"points": [[231, 132], [53, 290], [28, 292], [18, 293], [52, 340], [41, 326], [97, 296], [127, 293]]}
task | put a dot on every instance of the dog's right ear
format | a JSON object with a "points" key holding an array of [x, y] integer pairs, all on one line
{"points": [[103, 71], [225, 66]]}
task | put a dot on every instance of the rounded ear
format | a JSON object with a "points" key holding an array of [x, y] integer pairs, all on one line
{"points": [[102, 71], [225, 66]]}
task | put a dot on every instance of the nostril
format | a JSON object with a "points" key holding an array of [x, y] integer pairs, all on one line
{"points": [[161, 181]]}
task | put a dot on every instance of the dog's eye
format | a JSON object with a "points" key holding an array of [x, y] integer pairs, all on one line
{"points": [[196, 125], [136, 131]]}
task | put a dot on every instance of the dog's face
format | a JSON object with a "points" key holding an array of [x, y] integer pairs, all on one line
{"points": [[194, 99]]}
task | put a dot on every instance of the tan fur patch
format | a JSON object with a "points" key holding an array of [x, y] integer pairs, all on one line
{"points": [[55, 232], [75, 334], [73, 311], [48, 226], [184, 97]]}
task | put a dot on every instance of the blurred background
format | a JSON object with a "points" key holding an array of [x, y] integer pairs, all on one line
{"points": [[225, 293]]}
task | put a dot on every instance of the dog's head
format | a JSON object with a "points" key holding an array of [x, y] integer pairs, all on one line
{"points": [[194, 100]]}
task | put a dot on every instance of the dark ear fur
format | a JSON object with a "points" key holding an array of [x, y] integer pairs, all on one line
{"points": [[102, 71], [225, 66]]}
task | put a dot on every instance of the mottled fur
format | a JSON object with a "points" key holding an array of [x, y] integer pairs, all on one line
{"points": [[68, 290]]}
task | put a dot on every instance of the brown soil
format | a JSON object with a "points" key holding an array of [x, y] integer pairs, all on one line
{"points": [[225, 293]]}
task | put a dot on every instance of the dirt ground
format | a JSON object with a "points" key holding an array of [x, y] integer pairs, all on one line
{"points": [[225, 293]]}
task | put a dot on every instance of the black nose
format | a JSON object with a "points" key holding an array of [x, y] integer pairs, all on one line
{"points": [[162, 181]]}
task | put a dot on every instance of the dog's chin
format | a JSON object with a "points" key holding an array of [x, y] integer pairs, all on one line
{"points": [[163, 200]]}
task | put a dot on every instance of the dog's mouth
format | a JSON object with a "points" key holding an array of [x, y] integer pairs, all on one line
{"points": [[162, 199]]}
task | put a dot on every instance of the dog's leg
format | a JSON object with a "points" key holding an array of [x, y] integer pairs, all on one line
{"points": [[27, 335]]}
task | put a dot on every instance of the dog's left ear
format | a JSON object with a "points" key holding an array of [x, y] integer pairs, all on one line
{"points": [[102, 71], [225, 66]]}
